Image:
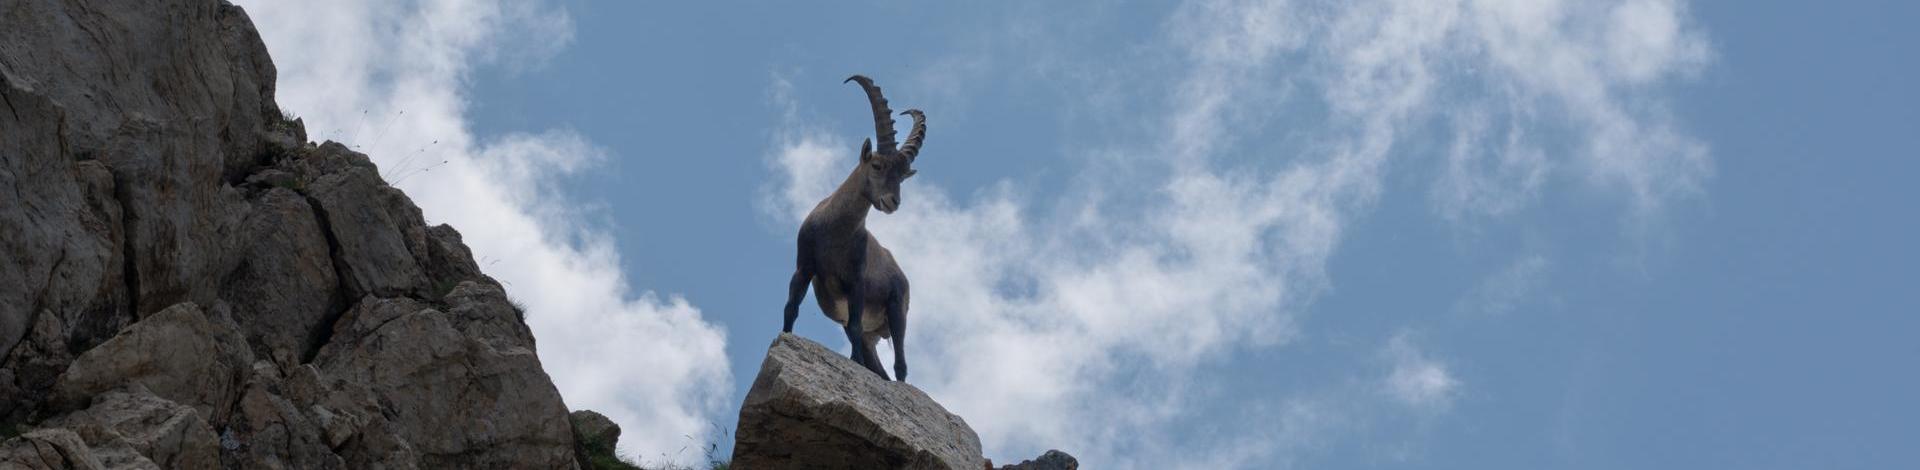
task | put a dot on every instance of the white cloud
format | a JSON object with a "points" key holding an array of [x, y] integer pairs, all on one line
{"points": [[389, 79], [1593, 61], [1416, 380], [1506, 289], [1281, 433], [1091, 326], [1646, 41], [1484, 179]]}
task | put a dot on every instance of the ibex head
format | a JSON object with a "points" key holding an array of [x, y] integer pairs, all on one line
{"points": [[887, 166]]}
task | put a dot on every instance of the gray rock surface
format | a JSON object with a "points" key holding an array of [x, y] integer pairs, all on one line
{"points": [[813, 408], [47, 449], [597, 439], [186, 282], [589, 425], [1052, 460], [378, 230], [131, 427], [284, 255], [467, 399], [177, 354]]}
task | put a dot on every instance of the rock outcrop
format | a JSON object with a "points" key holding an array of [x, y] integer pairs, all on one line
{"points": [[589, 425], [1052, 460], [599, 440], [186, 282], [812, 408]]}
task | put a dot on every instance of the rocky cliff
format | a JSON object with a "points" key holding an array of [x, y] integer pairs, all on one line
{"points": [[186, 282]]}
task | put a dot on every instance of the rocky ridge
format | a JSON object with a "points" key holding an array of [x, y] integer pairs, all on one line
{"points": [[189, 283]]}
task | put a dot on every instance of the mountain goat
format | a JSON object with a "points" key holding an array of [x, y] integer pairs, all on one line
{"points": [[851, 273]]}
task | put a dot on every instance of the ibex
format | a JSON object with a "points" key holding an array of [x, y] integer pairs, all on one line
{"points": [[850, 272]]}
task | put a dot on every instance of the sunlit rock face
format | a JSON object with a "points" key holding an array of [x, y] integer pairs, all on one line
{"points": [[812, 408]]}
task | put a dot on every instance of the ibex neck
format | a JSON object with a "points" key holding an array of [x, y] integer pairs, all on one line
{"points": [[846, 209]]}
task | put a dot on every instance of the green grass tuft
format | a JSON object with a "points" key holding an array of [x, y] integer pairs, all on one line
{"points": [[602, 456], [518, 308], [610, 462]]}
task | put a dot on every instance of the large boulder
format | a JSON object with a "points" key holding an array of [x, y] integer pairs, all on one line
{"points": [[457, 386], [598, 440], [589, 425], [177, 353], [813, 408]]}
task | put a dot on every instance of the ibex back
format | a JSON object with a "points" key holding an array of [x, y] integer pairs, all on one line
{"points": [[852, 275]]}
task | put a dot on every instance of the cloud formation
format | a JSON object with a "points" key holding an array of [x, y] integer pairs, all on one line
{"points": [[1416, 380], [389, 79], [1090, 324], [1508, 288]]}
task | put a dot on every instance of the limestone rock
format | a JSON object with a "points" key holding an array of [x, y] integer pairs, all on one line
{"points": [[177, 354], [449, 262], [379, 232], [282, 290], [60, 238], [271, 431], [186, 282], [128, 426], [30, 369], [48, 449], [1052, 460], [589, 425], [812, 408], [597, 439], [172, 97], [464, 388]]}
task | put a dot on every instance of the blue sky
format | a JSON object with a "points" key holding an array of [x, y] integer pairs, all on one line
{"points": [[1641, 234]]}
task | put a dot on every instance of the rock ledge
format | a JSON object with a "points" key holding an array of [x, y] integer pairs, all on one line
{"points": [[812, 408]]}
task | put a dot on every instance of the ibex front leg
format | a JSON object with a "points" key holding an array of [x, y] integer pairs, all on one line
{"points": [[897, 325]]}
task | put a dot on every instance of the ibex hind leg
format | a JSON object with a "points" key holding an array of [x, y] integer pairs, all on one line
{"points": [[873, 359], [796, 290], [865, 355], [856, 333]]}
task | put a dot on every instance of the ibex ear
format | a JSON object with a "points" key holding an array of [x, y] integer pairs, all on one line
{"points": [[866, 150]]}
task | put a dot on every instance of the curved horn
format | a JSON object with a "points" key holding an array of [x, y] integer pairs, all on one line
{"points": [[914, 137], [882, 116]]}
